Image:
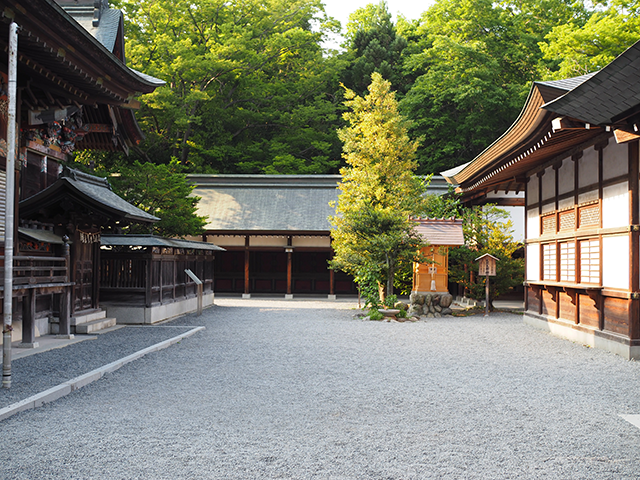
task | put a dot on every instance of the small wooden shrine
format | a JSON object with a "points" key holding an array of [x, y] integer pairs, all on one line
{"points": [[440, 233]]}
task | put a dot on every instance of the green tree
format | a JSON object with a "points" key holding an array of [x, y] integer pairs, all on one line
{"points": [[474, 61], [373, 46], [248, 88], [578, 48], [486, 230], [163, 191], [372, 231]]}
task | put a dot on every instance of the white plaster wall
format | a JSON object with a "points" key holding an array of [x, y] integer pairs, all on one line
{"points": [[268, 241], [615, 205], [588, 196], [311, 241], [588, 168], [516, 215], [548, 207], [615, 160], [533, 262], [615, 261], [566, 176], [226, 241], [533, 223], [566, 203], [549, 184], [532, 190]]}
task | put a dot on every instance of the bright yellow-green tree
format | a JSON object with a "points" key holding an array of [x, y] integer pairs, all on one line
{"points": [[372, 230]]}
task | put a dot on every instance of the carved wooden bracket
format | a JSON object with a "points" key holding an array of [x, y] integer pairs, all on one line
{"points": [[573, 295], [595, 296]]}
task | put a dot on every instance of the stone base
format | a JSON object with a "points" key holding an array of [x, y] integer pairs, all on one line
{"points": [[29, 345], [331, 297], [246, 295], [138, 315], [66, 337], [589, 337], [288, 296]]}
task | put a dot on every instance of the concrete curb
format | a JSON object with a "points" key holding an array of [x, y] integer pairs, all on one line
{"points": [[76, 383]]}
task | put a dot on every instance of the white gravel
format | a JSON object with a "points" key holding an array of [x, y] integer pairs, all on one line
{"points": [[275, 389]]}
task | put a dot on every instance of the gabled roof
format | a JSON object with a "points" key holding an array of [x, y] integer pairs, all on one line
{"points": [[87, 190], [441, 231], [610, 96], [266, 203]]}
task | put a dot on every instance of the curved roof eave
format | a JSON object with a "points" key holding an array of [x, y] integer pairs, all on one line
{"points": [[48, 12], [531, 117]]}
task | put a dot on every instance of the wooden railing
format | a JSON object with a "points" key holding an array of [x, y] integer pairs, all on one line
{"points": [[34, 270], [152, 279]]}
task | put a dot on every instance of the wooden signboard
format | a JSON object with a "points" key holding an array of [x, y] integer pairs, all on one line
{"points": [[486, 268], [487, 265]]}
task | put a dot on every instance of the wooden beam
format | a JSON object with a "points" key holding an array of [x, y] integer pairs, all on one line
{"points": [[569, 153]]}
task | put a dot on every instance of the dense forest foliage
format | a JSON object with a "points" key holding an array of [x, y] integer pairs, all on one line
{"points": [[251, 89]]}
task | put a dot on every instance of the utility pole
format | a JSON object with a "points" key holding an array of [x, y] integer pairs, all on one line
{"points": [[7, 308]]}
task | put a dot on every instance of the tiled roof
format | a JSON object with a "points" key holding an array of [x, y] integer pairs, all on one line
{"points": [[155, 241], [608, 96], [266, 202], [281, 203], [567, 83], [441, 231]]}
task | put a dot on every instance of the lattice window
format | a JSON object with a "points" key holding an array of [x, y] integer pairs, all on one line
{"points": [[549, 224], [568, 220], [590, 261], [549, 261], [568, 262], [590, 216]]}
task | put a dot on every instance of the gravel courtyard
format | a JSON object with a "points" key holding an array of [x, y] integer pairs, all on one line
{"points": [[304, 389]]}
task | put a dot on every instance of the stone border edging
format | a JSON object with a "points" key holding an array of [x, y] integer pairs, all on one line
{"points": [[69, 386]]}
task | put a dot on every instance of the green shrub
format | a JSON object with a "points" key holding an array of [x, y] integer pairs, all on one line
{"points": [[375, 315]]}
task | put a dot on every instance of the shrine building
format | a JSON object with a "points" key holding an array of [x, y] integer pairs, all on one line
{"points": [[574, 151], [75, 92]]}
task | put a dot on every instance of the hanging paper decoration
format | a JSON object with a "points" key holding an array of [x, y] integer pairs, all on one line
{"points": [[86, 237]]}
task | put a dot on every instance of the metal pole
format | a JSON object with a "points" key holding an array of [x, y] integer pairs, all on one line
{"points": [[9, 205]]}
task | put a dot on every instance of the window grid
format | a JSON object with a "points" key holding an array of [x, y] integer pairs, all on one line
{"points": [[568, 262], [549, 261], [590, 261]]}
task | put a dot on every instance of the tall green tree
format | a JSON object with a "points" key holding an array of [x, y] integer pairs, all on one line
{"points": [[248, 88], [372, 231], [577, 47], [373, 45], [474, 61]]}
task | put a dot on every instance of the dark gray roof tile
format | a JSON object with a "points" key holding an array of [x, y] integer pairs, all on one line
{"points": [[605, 96]]}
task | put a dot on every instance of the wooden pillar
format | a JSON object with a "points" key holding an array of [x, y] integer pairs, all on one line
{"points": [[246, 293], [634, 241], [64, 326], [29, 319], [289, 251], [148, 286]]}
